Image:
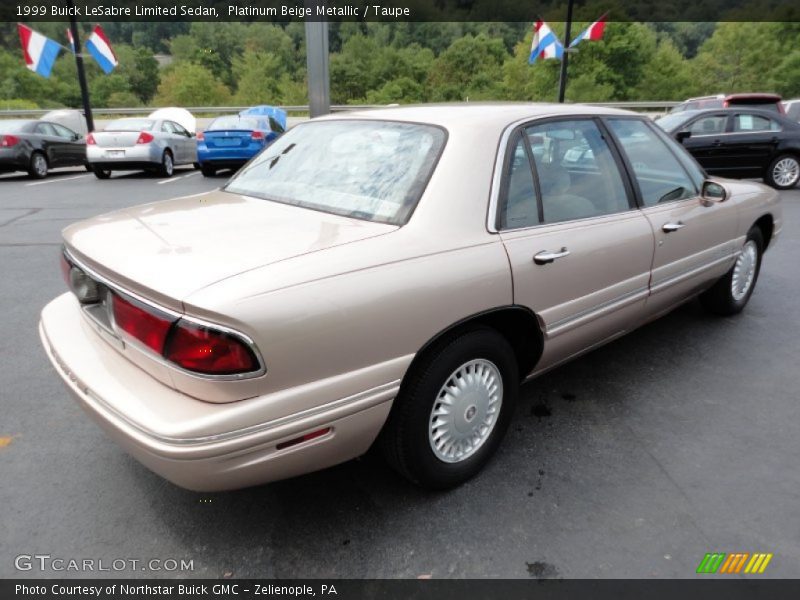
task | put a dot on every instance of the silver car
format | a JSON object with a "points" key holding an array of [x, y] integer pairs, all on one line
{"points": [[131, 144]]}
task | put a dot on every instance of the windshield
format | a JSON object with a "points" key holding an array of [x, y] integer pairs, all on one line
{"points": [[238, 123], [12, 126], [371, 170], [130, 125], [672, 122]]}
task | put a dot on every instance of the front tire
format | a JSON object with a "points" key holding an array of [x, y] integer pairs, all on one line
{"points": [[733, 290], [38, 166], [783, 173], [167, 165], [453, 409]]}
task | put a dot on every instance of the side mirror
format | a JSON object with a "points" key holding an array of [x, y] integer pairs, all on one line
{"points": [[713, 192], [681, 136]]}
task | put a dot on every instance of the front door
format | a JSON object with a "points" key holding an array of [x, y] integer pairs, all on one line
{"points": [[694, 240]]}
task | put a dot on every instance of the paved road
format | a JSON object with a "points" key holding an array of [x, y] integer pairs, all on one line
{"points": [[634, 461]]}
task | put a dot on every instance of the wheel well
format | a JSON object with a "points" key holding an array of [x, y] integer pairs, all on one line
{"points": [[766, 225], [517, 324]]}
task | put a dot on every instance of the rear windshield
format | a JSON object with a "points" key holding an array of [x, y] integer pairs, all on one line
{"points": [[238, 123], [370, 170], [130, 125], [12, 126]]}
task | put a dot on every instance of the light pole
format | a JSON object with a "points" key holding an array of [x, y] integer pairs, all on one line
{"points": [[76, 46], [562, 80]]}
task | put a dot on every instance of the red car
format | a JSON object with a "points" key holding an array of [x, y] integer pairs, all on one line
{"points": [[766, 101]]}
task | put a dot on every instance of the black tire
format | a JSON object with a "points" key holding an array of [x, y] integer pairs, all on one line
{"points": [[208, 170], [88, 167], [167, 167], [38, 167], [405, 439], [101, 173], [720, 298], [793, 172], [196, 166]]}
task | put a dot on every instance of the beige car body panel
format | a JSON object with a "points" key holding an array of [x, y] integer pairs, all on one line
{"points": [[338, 307]]}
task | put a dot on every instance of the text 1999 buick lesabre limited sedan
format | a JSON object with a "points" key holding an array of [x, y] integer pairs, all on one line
{"points": [[390, 275]]}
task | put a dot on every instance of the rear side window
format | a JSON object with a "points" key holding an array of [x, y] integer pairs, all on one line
{"points": [[578, 176], [520, 204], [656, 167], [45, 129], [743, 123]]}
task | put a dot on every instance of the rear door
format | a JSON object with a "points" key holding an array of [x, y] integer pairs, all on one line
{"points": [[174, 141], [750, 145], [695, 241], [187, 142], [580, 251]]}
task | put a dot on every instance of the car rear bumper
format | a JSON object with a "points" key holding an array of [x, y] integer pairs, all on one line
{"points": [[132, 157], [125, 402], [13, 159], [214, 156]]}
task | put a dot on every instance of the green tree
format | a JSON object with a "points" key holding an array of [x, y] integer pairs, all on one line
{"points": [[471, 68], [187, 84]]}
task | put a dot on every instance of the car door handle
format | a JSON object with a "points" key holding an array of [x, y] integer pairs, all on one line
{"points": [[717, 143], [670, 227], [545, 256]]}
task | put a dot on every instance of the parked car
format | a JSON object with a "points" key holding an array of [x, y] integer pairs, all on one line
{"points": [[699, 102], [741, 142], [38, 146], [389, 275], [230, 141], [765, 101], [157, 145], [792, 109]]}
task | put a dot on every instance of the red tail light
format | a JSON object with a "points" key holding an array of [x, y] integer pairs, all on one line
{"points": [[200, 136], [147, 325], [6, 141], [257, 135], [90, 140], [192, 347], [144, 138], [205, 350]]}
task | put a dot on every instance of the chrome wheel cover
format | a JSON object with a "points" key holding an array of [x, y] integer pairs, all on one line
{"points": [[744, 271], [786, 172], [40, 165], [465, 411], [168, 165]]}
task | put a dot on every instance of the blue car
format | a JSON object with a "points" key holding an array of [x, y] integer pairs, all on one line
{"points": [[230, 141]]}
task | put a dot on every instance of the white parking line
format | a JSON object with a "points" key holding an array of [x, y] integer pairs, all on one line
{"points": [[57, 180], [173, 179]]}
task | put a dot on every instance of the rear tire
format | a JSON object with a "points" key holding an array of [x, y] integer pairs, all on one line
{"points": [[783, 173], [101, 173], [208, 170], [37, 169], [730, 294], [167, 165], [438, 439]]}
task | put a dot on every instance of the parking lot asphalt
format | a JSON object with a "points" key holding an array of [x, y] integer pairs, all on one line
{"points": [[634, 461]]}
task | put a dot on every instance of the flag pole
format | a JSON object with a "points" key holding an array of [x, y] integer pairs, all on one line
{"points": [[76, 40], [562, 80]]}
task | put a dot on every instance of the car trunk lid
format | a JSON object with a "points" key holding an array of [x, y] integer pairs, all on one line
{"points": [[167, 250], [228, 138], [116, 139]]}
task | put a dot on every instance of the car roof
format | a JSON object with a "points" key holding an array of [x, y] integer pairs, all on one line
{"points": [[743, 108], [470, 114]]}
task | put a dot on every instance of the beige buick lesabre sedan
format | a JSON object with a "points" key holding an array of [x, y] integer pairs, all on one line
{"points": [[389, 276]]}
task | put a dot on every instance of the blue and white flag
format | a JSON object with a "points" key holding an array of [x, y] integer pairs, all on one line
{"points": [[100, 49], [545, 43], [40, 52]]}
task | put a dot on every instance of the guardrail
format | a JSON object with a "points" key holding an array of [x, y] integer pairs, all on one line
{"points": [[656, 106]]}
